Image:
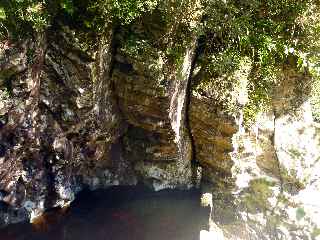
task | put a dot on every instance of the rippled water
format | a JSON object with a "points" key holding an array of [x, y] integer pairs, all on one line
{"points": [[122, 213]]}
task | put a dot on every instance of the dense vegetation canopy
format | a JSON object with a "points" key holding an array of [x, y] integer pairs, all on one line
{"points": [[265, 32]]}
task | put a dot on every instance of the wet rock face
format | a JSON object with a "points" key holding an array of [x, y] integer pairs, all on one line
{"points": [[53, 138], [158, 141], [71, 119], [212, 133]]}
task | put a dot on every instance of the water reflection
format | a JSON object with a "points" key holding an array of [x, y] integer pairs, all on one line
{"points": [[122, 213]]}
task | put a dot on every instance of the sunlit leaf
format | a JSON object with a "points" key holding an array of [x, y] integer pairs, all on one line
{"points": [[2, 14], [68, 6]]}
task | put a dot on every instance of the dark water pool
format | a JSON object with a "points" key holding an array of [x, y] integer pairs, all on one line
{"points": [[122, 213]]}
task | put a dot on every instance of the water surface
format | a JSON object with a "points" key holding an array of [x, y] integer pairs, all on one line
{"points": [[119, 213]]}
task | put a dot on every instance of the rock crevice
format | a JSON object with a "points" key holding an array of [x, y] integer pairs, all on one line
{"points": [[130, 112]]}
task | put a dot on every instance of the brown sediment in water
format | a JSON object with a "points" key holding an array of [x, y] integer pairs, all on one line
{"points": [[51, 218]]}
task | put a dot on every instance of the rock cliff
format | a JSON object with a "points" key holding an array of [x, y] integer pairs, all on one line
{"points": [[128, 113]]}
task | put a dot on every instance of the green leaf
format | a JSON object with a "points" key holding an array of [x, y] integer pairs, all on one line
{"points": [[68, 6], [2, 14], [88, 24]]}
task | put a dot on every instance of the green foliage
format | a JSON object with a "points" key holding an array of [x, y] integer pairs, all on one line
{"points": [[122, 12], [166, 31], [125, 11], [221, 63], [300, 213], [265, 31], [315, 232], [19, 16], [135, 47], [5, 100], [2, 14], [68, 6], [261, 84], [256, 199]]}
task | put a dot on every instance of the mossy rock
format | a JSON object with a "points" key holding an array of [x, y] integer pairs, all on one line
{"points": [[255, 199]]}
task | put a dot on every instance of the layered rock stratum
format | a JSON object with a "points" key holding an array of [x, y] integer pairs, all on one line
{"points": [[72, 119]]}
